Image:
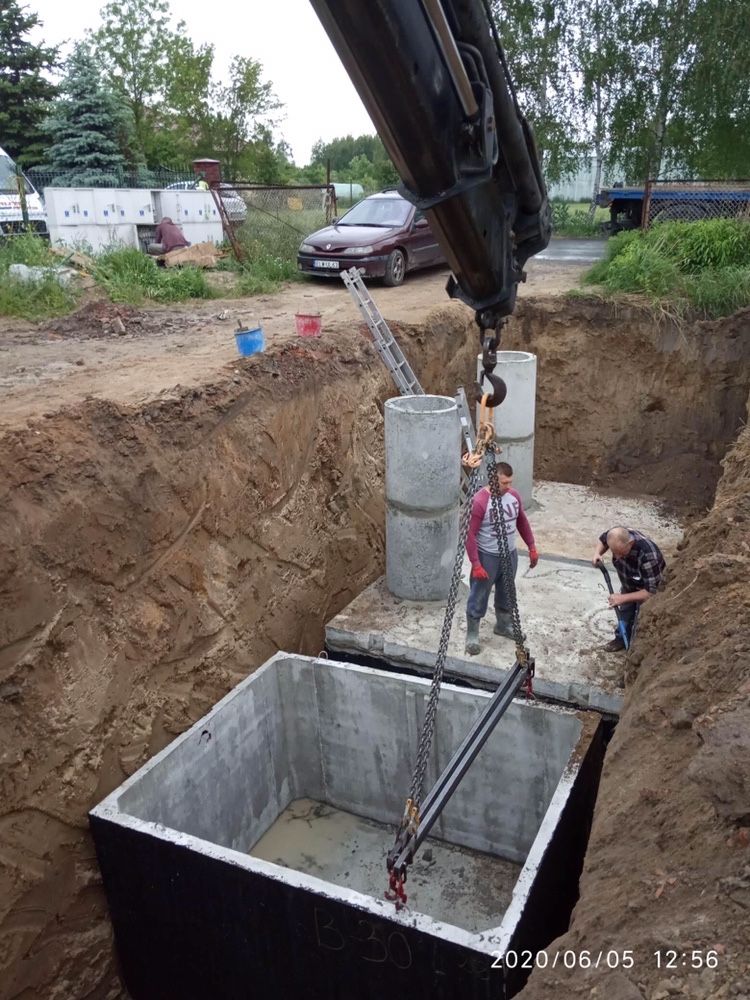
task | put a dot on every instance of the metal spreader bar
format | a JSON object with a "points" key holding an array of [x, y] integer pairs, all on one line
{"points": [[386, 345], [439, 795]]}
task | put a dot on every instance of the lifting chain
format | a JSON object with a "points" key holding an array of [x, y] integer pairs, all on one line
{"points": [[485, 448], [410, 820], [411, 812]]}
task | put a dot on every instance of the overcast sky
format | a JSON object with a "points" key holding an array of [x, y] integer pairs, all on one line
{"points": [[284, 35]]}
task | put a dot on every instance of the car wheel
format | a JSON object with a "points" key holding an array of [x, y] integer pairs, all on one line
{"points": [[395, 268]]}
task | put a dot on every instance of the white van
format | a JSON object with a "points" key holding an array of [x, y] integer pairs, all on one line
{"points": [[11, 217]]}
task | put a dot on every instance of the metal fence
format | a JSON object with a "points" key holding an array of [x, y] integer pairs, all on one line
{"points": [[690, 201], [272, 219], [159, 177]]}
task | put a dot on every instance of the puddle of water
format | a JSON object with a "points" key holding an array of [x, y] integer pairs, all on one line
{"points": [[460, 886]]}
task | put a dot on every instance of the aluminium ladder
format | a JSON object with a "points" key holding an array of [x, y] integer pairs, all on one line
{"points": [[393, 358], [386, 345]]}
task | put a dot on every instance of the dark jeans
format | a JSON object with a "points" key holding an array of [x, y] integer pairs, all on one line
{"points": [[629, 615], [479, 594]]}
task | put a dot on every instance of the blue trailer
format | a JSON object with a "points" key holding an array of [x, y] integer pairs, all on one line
{"points": [[663, 201]]}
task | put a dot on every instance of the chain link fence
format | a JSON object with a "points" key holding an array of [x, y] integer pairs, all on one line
{"points": [[691, 201], [272, 219]]}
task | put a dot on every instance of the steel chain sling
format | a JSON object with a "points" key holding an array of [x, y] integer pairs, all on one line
{"points": [[428, 726], [410, 821]]}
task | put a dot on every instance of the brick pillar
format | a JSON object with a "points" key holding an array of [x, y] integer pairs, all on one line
{"points": [[211, 170]]}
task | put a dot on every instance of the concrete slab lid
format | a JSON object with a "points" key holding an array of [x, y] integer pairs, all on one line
{"points": [[486, 942], [563, 614], [562, 602]]}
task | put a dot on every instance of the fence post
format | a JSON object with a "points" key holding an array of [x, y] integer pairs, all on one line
{"points": [[646, 206], [21, 183]]}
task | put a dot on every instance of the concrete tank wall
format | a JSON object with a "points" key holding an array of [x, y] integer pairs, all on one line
{"points": [[422, 490], [187, 901], [514, 419]]}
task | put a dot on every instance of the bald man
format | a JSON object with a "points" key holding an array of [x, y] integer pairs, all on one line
{"points": [[640, 567]]}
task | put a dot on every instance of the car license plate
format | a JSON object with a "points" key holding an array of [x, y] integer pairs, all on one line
{"points": [[332, 264]]}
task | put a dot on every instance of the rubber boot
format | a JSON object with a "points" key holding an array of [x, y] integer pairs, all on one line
{"points": [[472, 635], [503, 624]]}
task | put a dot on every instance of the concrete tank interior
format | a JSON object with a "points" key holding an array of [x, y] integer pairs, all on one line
{"points": [[198, 913]]}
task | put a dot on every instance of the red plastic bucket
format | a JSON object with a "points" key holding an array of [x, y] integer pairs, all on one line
{"points": [[308, 324]]}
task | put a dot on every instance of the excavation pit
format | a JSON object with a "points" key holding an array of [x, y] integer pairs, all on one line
{"points": [[212, 893]]}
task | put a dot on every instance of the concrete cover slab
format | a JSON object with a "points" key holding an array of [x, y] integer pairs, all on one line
{"points": [[563, 604]]}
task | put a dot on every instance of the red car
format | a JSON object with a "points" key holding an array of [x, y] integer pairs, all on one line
{"points": [[383, 234]]}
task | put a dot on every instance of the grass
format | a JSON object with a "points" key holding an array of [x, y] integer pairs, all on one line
{"points": [[129, 276], [269, 261], [32, 300], [698, 267], [573, 219]]}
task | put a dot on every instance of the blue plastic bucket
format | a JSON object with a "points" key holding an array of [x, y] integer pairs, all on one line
{"points": [[250, 341]]}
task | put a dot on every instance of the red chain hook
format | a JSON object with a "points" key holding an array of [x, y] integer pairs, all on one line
{"points": [[395, 892]]}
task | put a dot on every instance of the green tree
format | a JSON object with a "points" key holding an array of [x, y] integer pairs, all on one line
{"points": [[131, 45], [710, 128], [85, 126], [341, 151], [176, 125], [601, 60], [245, 113], [162, 76], [361, 160], [264, 161], [538, 38], [660, 49], [25, 93], [359, 171]]}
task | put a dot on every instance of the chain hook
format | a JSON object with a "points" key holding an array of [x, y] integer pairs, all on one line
{"points": [[395, 893], [490, 343]]}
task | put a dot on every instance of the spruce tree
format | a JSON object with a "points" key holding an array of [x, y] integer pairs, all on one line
{"points": [[86, 126], [24, 92]]}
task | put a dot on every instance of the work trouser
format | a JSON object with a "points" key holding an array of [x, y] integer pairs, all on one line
{"points": [[628, 616], [479, 593]]}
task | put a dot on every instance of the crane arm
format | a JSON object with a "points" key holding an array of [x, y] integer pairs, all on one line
{"points": [[433, 77]]}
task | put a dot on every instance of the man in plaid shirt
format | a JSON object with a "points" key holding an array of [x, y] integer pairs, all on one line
{"points": [[640, 567]]}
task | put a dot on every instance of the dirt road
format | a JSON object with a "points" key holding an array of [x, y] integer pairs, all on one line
{"points": [[130, 355]]}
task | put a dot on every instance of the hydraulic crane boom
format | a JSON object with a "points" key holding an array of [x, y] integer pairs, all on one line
{"points": [[433, 77]]}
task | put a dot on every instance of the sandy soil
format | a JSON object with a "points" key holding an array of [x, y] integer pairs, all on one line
{"points": [[632, 405], [53, 364], [668, 865], [151, 557]]}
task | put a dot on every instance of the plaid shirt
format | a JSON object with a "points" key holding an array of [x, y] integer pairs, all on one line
{"points": [[642, 568]]}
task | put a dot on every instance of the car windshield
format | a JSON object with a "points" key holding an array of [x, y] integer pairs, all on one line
{"points": [[387, 212], [8, 184]]}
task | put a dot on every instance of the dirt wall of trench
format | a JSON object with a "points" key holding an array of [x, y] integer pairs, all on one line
{"points": [[150, 560], [655, 408], [668, 864], [629, 402]]}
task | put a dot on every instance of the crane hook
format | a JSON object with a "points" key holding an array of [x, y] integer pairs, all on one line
{"points": [[490, 340]]}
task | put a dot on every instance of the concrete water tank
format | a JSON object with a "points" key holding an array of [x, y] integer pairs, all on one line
{"points": [[247, 859], [422, 495], [514, 419]]}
